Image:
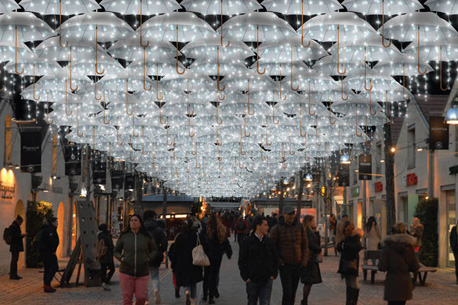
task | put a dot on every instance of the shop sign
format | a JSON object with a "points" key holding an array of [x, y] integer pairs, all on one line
{"points": [[31, 152], [411, 179], [355, 191], [438, 133], [7, 191], [378, 186], [365, 167]]}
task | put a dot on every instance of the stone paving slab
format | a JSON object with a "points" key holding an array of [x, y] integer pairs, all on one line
{"points": [[440, 289]]}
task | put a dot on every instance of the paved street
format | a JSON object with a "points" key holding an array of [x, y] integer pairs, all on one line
{"points": [[440, 290]]}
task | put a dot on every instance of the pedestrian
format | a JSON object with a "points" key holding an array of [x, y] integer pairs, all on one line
{"points": [[311, 273], [416, 230], [372, 236], [135, 249], [171, 255], [349, 248], [16, 245], [398, 260], [332, 225], [160, 238], [105, 249], [218, 244], [48, 240], [258, 263], [290, 240], [241, 229], [340, 231], [187, 274], [454, 247]]}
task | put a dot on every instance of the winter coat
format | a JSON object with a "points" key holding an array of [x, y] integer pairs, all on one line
{"points": [[135, 251], [398, 260], [236, 226], [108, 240], [16, 238], [417, 232], [291, 243], [160, 238], [350, 248], [48, 239], [186, 273], [311, 274], [340, 231], [216, 249], [454, 239], [373, 237], [258, 260]]}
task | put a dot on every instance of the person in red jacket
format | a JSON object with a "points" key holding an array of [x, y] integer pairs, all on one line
{"points": [[241, 229]]}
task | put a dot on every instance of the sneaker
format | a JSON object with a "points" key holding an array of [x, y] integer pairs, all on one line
{"points": [[49, 289], [105, 287], [157, 297]]}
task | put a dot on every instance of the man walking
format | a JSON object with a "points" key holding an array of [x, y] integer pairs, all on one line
{"points": [[454, 246], [291, 243], [16, 246], [258, 263], [49, 241]]}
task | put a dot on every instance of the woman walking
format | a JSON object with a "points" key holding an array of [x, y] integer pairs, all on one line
{"points": [[372, 236], [218, 244], [416, 230], [398, 260], [106, 255], [311, 274], [350, 247], [135, 249], [187, 274]]}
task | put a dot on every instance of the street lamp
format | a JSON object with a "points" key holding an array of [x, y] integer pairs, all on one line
{"points": [[451, 117], [345, 159]]}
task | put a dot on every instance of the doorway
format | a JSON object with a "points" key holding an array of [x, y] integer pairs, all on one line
{"points": [[60, 229], [20, 210]]}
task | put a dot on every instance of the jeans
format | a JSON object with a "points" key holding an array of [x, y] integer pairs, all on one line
{"points": [[13, 265], [351, 281], [103, 269], [154, 274], [213, 275], [289, 276], [192, 290], [134, 285], [51, 267], [261, 291]]}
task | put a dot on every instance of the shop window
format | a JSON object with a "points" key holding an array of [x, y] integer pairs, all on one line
{"points": [[411, 149]]}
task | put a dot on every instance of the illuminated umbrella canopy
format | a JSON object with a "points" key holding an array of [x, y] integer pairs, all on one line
{"points": [[221, 7], [390, 7], [272, 51], [132, 7], [36, 66], [443, 6], [63, 7], [130, 50], [402, 65], [7, 6], [206, 50], [7, 51], [27, 26], [296, 7]]}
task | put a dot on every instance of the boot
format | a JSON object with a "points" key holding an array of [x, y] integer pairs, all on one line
{"points": [[349, 295], [354, 296], [49, 289], [304, 302]]}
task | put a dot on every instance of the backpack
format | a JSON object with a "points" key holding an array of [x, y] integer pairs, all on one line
{"points": [[101, 249], [241, 225], [7, 235]]}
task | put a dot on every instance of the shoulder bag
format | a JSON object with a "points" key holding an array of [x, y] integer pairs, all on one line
{"points": [[199, 258]]}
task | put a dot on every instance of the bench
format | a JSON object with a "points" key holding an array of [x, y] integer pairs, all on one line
{"points": [[370, 255], [423, 273]]}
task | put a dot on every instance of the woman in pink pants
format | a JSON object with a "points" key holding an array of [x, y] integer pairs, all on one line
{"points": [[135, 249]]}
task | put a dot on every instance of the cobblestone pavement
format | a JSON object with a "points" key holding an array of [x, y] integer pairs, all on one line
{"points": [[440, 289]]}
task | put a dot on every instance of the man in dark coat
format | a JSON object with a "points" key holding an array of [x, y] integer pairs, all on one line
{"points": [[161, 240], [106, 260], [258, 263], [16, 246], [48, 243], [398, 259], [454, 246], [291, 243]]}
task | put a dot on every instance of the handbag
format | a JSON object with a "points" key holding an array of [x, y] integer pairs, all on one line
{"points": [[199, 258]]}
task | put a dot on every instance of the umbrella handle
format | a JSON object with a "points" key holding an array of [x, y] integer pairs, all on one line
{"points": [[77, 122], [370, 105], [282, 98], [70, 65], [418, 62], [222, 42], [359, 135], [66, 101], [143, 150], [218, 121], [104, 121], [241, 143], [177, 68], [365, 74], [338, 53], [316, 132], [144, 73], [240, 164], [190, 133], [60, 27], [276, 122], [133, 127], [247, 135], [160, 117], [97, 72], [342, 96], [189, 113], [15, 54], [292, 88], [34, 97], [218, 79], [248, 94], [47, 110], [194, 153], [310, 103], [267, 133], [330, 118], [383, 27], [302, 36], [197, 163], [141, 27], [95, 93], [159, 95], [117, 135], [440, 72], [292, 153], [220, 98], [127, 99], [257, 53]]}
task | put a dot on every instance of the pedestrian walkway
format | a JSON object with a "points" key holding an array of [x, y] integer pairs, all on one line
{"points": [[440, 289]]}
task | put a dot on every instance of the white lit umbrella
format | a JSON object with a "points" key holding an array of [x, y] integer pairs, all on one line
{"points": [[56, 7], [296, 7], [132, 7], [402, 65], [449, 7], [7, 51], [214, 7], [29, 27], [7, 6], [130, 50], [273, 51], [37, 66], [374, 7]]}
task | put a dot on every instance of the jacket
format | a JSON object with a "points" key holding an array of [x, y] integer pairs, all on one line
{"points": [[454, 239], [135, 252], [373, 237], [181, 257], [312, 274], [350, 248], [160, 238], [417, 232], [216, 249], [108, 240], [340, 231], [48, 239], [16, 238], [291, 243], [237, 230], [258, 260], [398, 260]]}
